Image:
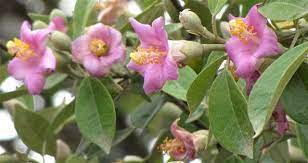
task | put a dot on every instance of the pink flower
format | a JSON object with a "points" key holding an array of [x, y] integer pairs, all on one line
{"points": [[98, 49], [185, 145], [111, 10], [57, 24], [153, 59], [251, 41], [33, 60]]}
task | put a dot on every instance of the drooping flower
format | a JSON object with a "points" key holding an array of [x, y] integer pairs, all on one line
{"points": [[251, 41], [32, 59], [98, 49], [111, 10], [57, 24], [153, 58], [280, 118], [185, 145]]}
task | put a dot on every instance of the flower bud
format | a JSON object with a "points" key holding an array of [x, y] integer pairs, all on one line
{"points": [[60, 40], [191, 22], [39, 25], [62, 61], [184, 51], [225, 30], [57, 13], [63, 151]]}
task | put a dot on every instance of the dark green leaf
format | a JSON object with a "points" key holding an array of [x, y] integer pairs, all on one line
{"points": [[33, 130], [294, 100], [122, 134], [268, 89], [178, 88], [285, 9], [228, 117], [63, 116], [3, 73], [216, 5], [95, 113], [202, 83], [146, 111], [81, 15]]}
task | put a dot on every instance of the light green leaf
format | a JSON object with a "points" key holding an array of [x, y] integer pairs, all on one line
{"points": [[54, 80], [35, 16], [228, 117], [95, 113], [202, 83], [268, 89], [216, 5], [178, 88], [34, 131], [81, 15], [143, 115], [3, 73], [285, 9], [64, 115], [294, 100], [302, 137]]}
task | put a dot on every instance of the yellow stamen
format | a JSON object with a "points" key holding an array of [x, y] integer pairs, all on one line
{"points": [[172, 145], [240, 29], [20, 49], [147, 56], [98, 47]]}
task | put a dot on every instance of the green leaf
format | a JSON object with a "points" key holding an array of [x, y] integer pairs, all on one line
{"points": [[3, 73], [178, 88], [75, 159], [216, 5], [285, 9], [146, 111], [9, 95], [201, 9], [247, 4], [172, 28], [63, 116], [228, 117], [33, 131], [35, 16], [152, 12], [294, 100], [54, 80], [234, 159], [171, 10], [302, 137], [202, 83], [95, 113], [81, 15], [268, 89]]}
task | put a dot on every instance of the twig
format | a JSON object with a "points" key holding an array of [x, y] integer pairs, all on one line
{"points": [[213, 47], [214, 26]]}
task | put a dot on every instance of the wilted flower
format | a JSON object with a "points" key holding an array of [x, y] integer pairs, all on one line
{"points": [[98, 49], [185, 145], [32, 59], [251, 40], [280, 118], [111, 10], [153, 58]]}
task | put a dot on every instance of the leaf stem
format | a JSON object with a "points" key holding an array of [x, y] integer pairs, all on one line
{"points": [[214, 26], [213, 47], [207, 34]]}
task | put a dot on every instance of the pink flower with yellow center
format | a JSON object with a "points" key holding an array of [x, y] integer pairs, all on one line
{"points": [[153, 59], [32, 59], [251, 41], [98, 49], [185, 145]]}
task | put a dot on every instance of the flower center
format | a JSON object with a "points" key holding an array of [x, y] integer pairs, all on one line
{"points": [[20, 49], [244, 32], [147, 56], [98, 47], [172, 146]]}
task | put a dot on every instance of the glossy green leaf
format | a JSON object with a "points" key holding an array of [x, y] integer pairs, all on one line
{"points": [[294, 100], [268, 89], [216, 5], [178, 88], [143, 115], [202, 83], [302, 137], [95, 113], [285, 9], [81, 15], [33, 130], [228, 117]]}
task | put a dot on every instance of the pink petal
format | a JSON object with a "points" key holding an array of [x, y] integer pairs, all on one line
{"points": [[136, 67], [154, 36], [34, 83], [25, 32], [255, 19], [154, 78], [93, 66], [48, 61], [171, 69], [80, 48], [114, 55], [186, 138], [19, 68], [58, 24]]}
